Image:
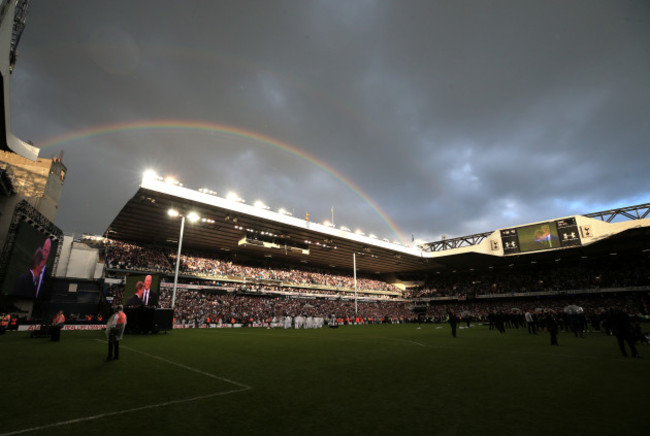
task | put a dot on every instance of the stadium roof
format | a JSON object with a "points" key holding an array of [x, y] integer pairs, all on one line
{"points": [[243, 232], [246, 232]]}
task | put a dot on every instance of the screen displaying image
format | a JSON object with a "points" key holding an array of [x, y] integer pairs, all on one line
{"points": [[142, 290], [29, 271], [538, 237]]}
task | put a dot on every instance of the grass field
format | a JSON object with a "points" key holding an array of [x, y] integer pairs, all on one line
{"points": [[384, 379]]}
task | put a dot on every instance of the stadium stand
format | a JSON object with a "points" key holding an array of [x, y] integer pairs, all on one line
{"points": [[218, 292]]}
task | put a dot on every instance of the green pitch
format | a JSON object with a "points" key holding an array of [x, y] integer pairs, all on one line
{"points": [[348, 381]]}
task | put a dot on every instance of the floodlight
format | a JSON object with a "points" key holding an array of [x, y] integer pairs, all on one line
{"points": [[149, 175], [232, 196], [193, 217]]}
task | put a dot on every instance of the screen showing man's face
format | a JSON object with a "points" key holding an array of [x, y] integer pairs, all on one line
{"points": [[28, 241], [47, 246], [151, 280]]}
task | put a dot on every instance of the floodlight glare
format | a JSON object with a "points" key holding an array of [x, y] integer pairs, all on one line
{"points": [[193, 217], [232, 196], [149, 175], [173, 213]]}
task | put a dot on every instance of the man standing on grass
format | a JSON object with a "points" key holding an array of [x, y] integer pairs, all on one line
{"points": [[622, 329], [552, 326], [453, 321], [530, 322], [115, 332], [57, 326]]}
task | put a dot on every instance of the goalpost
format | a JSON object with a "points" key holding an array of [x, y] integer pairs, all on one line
{"points": [[354, 266]]}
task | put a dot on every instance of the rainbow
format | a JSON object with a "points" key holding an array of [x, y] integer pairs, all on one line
{"points": [[200, 126]]}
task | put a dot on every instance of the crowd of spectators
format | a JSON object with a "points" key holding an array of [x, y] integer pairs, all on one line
{"points": [[248, 293], [199, 307], [220, 268], [124, 256], [591, 306], [534, 278], [612, 272]]}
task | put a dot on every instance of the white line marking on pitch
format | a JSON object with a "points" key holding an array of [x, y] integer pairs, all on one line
{"points": [[408, 341], [189, 368], [241, 388]]}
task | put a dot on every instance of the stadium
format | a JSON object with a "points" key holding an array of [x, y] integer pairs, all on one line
{"points": [[261, 321]]}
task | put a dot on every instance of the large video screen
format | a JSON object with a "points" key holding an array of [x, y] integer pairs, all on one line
{"points": [[31, 260], [136, 287], [543, 236], [538, 237]]}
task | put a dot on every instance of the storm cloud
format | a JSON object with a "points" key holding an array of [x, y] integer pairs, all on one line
{"points": [[436, 117]]}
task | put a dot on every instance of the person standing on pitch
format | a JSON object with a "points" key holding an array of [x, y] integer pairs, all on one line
{"points": [[622, 329], [453, 321], [57, 325], [530, 322], [552, 326], [115, 332]]}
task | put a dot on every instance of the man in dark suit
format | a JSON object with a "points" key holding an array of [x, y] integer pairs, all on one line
{"points": [[149, 297], [28, 284], [43, 279], [135, 300], [453, 321], [622, 328]]}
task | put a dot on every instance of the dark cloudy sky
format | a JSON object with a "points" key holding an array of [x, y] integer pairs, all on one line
{"points": [[452, 117]]}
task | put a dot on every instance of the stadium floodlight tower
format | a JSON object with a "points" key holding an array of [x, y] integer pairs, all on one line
{"points": [[192, 217]]}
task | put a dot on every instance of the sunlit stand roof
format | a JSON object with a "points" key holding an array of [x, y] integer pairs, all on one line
{"points": [[255, 231], [169, 186]]}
